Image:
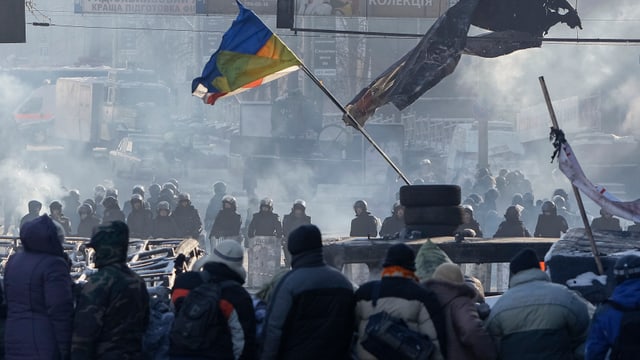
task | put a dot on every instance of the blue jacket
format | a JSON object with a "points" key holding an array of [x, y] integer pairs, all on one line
{"points": [[39, 296], [606, 322]]}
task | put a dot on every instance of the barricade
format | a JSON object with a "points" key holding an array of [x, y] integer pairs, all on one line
{"points": [[264, 253]]}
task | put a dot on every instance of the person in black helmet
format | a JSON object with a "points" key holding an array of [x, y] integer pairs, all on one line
{"points": [[88, 221], [187, 218], [297, 217], [605, 332], [139, 219], [469, 222], [55, 211], [154, 194], [139, 190], [265, 222], [550, 224], [393, 224], [228, 221], [164, 226], [112, 211], [34, 207], [292, 221], [364, 224]]}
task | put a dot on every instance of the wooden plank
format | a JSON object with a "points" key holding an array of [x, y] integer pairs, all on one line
{"points": [[372, 252]]}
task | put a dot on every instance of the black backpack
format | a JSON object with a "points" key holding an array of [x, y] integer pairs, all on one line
{"points": [[194, 326], [627, 346]]}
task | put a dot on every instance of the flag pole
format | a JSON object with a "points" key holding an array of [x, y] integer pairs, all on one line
{"points": [[353, 121], [576, 191]]}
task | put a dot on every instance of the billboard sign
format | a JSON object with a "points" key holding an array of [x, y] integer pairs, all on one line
{"points": [[140, 7], [359, 8], [12, 22]]}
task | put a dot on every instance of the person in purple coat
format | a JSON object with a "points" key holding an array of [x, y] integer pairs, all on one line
{"points": [[38, 290]]}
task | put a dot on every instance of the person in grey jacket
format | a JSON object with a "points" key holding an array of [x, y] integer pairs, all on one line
{"points": [[310, 315], [537, 319]]}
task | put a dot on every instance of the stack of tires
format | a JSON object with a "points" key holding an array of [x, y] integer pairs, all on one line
{"points": [[431, 210]]}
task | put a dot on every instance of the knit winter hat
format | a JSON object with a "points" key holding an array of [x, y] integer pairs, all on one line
{"points": [[400, 255], [525, 259], [230, 253], [449, 272], [304, 238]]}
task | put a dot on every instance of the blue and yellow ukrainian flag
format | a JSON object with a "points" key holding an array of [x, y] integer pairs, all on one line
{"points": [[250, 55]]}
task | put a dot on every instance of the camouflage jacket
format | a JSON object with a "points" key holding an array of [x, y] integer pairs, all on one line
{"points": [[111, 316]]}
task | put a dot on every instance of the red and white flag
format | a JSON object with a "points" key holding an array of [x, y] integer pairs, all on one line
{"points": [[570, 167]]}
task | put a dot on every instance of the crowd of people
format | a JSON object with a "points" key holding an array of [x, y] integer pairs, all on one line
{"points": [[311, 311]]}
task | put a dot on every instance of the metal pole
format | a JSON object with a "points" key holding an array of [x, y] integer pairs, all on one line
{"points": [[576, 192], [354, 122]]}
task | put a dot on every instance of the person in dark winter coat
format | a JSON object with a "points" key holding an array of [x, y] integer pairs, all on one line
{"points": [[164, 226], [55, 211], [311, 312], [402, 297], [467, 338], [71, 203], [296, 218], [468, 221], [236, 329], [187, 218], [112, 311], [512, 226], [112, 211], [215, 204], [228, 221], [39, 294], [265, 222], [606, 222], [139, 219], [154, 193], [364, 224], [88, 221], [395, 223], [34, 207], [605, 326], [292, 221], [535, 318], [550, 224], [139, 190]]}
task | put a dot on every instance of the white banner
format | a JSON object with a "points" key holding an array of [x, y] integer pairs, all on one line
{"points": [[570, 167]]}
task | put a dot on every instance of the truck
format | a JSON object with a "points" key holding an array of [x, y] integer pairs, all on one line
{"points": [[93, 112]]}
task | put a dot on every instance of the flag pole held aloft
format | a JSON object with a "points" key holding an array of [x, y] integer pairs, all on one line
{"points": [[576, 192], [354, 123], [250, 55]]}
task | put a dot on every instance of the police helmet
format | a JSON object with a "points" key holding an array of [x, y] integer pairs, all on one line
{"points": [[136, 197], [560, 192], [170, 186], [517, 199], [360, 204], [560, 201], [184, 197], [154, 189], [468, 209], [549, 207], [174, 182], [300, 204], [164, 205], [267, 202], [112, 192], [138, 189], [228, 199], [99, 189], [85, 209]]}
